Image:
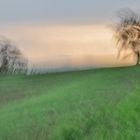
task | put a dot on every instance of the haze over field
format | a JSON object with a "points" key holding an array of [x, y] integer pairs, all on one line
{"points": [[67, 45]]}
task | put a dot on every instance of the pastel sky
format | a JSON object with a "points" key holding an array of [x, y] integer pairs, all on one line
{"points": [[61, 33]]}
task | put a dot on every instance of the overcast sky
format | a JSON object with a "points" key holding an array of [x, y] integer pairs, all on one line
{"points": [[61, 10]]}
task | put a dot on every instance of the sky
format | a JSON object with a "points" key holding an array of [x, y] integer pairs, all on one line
{"points": [[61, 10], [63, 33]]}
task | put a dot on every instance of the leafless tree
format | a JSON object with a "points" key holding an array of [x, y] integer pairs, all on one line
{"points": [[11, 58], [127, 32]]}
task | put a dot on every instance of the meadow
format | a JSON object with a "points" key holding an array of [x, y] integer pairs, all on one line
{"points": [[98, 104]]}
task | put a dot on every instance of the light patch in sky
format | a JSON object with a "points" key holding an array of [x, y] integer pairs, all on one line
{"points": [[67, 45]]}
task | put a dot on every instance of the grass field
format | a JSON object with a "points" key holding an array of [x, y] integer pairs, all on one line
{"points": [[100, 104]]}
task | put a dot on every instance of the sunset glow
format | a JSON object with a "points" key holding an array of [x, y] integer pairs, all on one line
{"points": [[62, 45]]}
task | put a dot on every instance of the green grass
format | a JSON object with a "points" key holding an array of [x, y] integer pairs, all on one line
{"points": [[100, 104]]}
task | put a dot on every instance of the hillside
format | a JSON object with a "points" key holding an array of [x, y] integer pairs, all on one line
{"points": [[100, 104]]}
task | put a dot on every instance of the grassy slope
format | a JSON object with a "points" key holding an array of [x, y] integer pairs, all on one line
{"points": [[96, 104]]}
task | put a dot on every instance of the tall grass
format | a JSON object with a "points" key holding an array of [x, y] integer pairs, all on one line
{"points": [[100, 104]]}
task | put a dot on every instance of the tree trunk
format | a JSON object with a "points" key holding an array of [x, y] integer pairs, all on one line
{"points": [[138, 58]]}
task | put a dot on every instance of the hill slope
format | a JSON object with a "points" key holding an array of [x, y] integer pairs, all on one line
{"points": [[101, 104]]}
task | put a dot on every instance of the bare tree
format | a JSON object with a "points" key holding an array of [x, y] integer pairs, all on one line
{"points": [[127, 32], [11, 58]]}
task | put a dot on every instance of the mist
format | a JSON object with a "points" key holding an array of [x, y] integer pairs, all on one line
{"points": [[67, 46]]}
